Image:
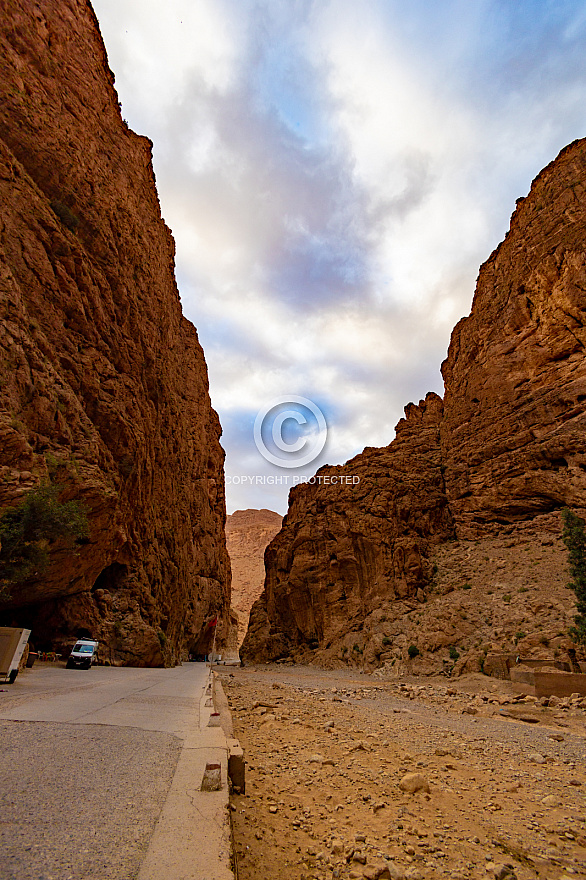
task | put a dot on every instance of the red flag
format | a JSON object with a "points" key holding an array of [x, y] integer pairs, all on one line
{"points": [[213, 622]]}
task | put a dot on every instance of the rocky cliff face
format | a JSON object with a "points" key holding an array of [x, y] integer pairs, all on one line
{"points": [[247, 534], [103, 383], [507, 444], [355, 543], [515, 376]]}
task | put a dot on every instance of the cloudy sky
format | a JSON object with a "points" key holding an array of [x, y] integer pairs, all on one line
{"points": [[334, 173]]}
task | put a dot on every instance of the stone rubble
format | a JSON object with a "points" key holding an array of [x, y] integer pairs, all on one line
{"points": [[327, 803]]}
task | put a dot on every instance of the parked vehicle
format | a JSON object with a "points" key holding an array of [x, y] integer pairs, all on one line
{"points": [[12, 644], [83, 654]]}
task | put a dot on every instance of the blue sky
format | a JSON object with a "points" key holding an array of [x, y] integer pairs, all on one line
{"points": [[334, 173]]}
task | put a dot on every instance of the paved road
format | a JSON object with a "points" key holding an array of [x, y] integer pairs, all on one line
{"points": [[166, 700], [88, 757]]}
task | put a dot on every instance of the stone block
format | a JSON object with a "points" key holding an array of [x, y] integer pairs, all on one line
{"points": [[236, 765], [212, 778]]}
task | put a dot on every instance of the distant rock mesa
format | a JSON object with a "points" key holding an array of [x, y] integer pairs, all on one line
{"points": [[506, 444], [247, 534], [103, 383]]}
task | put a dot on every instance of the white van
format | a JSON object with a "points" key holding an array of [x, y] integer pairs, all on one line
{"points": [[83, 654]]}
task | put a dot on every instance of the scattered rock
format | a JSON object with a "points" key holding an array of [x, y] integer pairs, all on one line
{"points": [[504, 872], [377, 871], [513, 786], [413, 782]]}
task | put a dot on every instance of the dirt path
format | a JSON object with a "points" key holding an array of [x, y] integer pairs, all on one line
{"points": [[326, 752]]}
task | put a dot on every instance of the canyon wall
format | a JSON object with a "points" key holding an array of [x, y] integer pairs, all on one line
{"points": [[505, 445], [515, 376], [103, 383], [248, 532], [355, 544]]}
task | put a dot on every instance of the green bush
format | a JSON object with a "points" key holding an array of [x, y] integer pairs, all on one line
{"points": [[454, 653], [507, 598], [28, 529], [466, 587], [387, 641], [52, 463], [574, 537], [413, 651]]}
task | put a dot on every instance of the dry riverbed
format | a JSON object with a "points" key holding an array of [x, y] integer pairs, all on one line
{"points": [[502, 779]]}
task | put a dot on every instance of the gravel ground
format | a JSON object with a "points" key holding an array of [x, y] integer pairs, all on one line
{"points": [[80, 802], [328, 753]]}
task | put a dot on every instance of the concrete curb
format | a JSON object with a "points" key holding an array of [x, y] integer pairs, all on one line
{"points": [[222, 707], [192, 838]]}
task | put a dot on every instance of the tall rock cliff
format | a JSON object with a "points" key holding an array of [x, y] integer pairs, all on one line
{"points": [[514, 428], [247, 534], [103, 383], [354, 544], [507, 443]]}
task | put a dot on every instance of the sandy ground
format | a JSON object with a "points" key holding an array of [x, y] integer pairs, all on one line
{"points": [[327, 751]]}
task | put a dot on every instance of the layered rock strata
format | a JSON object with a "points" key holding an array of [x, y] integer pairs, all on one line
{"points": [[103, 383], [515, 376], [506, 444], [247, 534], [354, 542]]}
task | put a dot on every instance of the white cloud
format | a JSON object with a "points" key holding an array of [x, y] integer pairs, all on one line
{"points": [[158, 47], [334, 173]]}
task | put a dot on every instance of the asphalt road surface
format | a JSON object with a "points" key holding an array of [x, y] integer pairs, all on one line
{"points": [[87, 760]]}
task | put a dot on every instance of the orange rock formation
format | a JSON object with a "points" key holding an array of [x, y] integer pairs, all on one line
{"points": [[103, 383], [247, 534], [506, 445]]}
